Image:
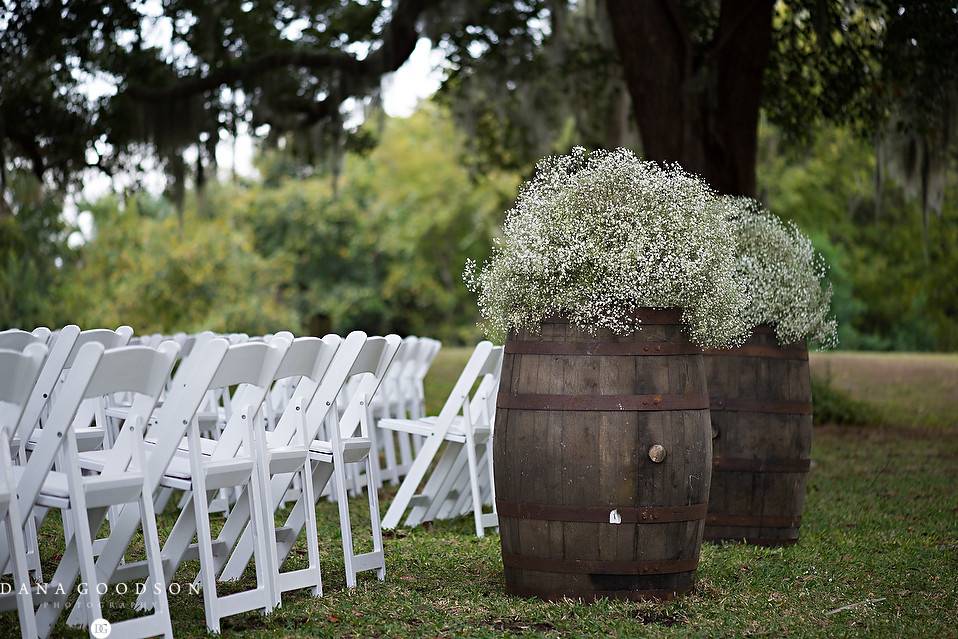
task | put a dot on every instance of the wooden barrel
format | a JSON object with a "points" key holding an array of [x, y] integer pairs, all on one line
{"points": [[762, 434], [602, 458]]}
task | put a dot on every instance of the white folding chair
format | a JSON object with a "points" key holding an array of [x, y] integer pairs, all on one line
{"points": [[417, 405], [18, 374], [391, 401], [230, 462], [124, 479], [284, 453], [65, 346], [356, 356], [14, 339], [414, 395], [189, 387], [467, 438]]}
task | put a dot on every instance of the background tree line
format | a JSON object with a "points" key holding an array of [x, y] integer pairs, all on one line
{"points": [[382, 247], [839, 113]]}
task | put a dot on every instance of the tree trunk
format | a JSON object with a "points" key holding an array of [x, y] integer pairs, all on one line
{"points": [[697, 103]]}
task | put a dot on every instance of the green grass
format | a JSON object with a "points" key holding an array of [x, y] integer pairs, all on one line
{"points": [[880, 534], [905, 389]]}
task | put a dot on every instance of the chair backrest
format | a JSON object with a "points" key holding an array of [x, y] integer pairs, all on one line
{"points": [[19, 370], [372, 366], [308, 357], [96, 372], [254, 367], [427, 355], [483, 361], [404, 364], [133, 369], [187, 391], [104, 336], [65, 346], [482, 406], [319, 398], [16, 340]]}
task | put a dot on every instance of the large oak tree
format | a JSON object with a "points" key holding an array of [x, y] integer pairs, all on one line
{"points": [[699, 74]]}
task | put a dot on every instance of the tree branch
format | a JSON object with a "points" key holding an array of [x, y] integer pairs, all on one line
{"points": [[398, 41]]}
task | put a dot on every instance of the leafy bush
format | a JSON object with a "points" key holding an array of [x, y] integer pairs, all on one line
{"points": [[893, 267], [835, 406], [33, 251], [165, 274]]}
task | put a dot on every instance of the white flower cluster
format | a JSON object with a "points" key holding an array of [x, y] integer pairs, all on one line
{"points": [[783, 275], [593, 237]]}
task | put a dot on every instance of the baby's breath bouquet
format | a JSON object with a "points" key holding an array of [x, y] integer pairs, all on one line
{"points": [[783, 274], [595, 236]]}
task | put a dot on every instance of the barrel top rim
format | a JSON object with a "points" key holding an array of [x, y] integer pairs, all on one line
{"points": [[645, 315]]}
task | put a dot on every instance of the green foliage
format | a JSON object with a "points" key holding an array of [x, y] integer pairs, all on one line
{"points": [[894, 284], [835, 406], [162, 274], [380, 248], [33, 252]]}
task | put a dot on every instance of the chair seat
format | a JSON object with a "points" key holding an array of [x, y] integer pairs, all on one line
{"points": [[425, 426], [207, 445], [179, 469], [99, 490], [206, 418], [87, 438]]}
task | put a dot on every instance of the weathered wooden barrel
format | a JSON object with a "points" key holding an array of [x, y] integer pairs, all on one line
{"points": [[762, 433], [602, 461]]}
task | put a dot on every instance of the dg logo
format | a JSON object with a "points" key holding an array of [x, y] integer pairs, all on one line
{"points": [[100, 629]]}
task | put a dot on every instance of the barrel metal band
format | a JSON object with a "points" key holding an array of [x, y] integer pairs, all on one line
{"points": [[759, 350], [745, 465], [535, 401], [601, 348], [600, 514], [753, 521], [599, 567], [756, 406]]}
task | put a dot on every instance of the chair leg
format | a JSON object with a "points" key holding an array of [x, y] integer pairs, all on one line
{"points": [[345, 528], [405, 451], [389, 446], [474, 484], [243, 549], [207, 567], [261, 557], [312, 533], [84, 543], [374, 523], [176, 544], [409, 485], [21, 577], [431, 491], [33, 556], [151, 543]]}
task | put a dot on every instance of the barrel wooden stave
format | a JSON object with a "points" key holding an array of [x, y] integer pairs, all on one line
{"points": [[763, 505], [587, 458]]}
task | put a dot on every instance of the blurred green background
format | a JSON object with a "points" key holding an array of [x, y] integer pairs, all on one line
{"points": [[381, 244], [837, 114]]}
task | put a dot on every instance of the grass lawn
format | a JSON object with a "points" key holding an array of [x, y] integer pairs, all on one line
{"points": [[878, 554]]}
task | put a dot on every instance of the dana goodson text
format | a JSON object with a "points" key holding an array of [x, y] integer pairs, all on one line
{"points": [[82, 588]]}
